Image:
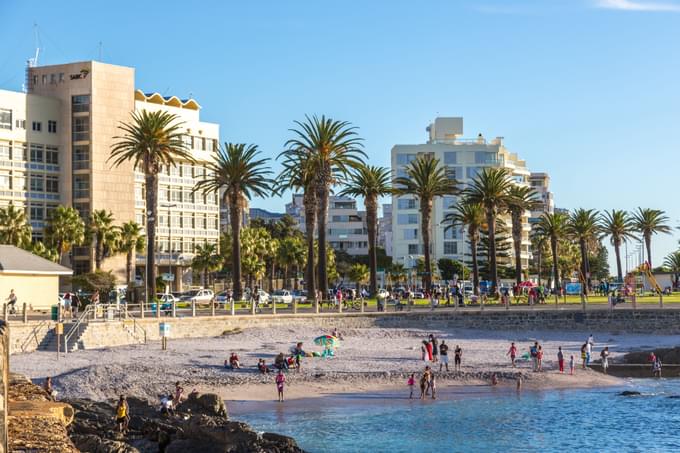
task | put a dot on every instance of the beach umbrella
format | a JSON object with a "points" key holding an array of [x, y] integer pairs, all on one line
{"points": [[326, 341]]}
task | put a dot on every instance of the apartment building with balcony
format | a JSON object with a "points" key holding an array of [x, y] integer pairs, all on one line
{"points": [[540, 182], [55, 142], [465, 158], [345, 228]]}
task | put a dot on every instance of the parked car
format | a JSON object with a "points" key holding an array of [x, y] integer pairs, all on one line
{"points": [[261, 294], [222, 297], [300, 296], [166, 301], [282, 296], [200, 296]]}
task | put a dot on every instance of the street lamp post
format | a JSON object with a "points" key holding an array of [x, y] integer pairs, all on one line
{"points": [[168, 205]]}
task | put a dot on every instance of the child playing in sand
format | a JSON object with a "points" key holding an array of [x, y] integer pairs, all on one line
{"points": [[280, 380], [512, 352], [572, 364], [411, 383]]}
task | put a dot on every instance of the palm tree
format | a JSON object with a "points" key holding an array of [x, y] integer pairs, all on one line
{"points": [[370, 183], [102, 233], [39, 248], [65, 229], [359, 274], [14, 227], [397, 272], [151, 140], [206, 260], [130, 241], [329, 149], [520, 200], [490, 189], [291, 255], [554, 227], [241, 174], [672, 262], [538, 241], [426, 179], [470, 216], [584, 227], [618, 225], [298, 176], [649, 222]]}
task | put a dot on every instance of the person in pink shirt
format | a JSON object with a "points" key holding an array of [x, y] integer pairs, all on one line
{"points": [[411, 383], [512, 352], [280, 380]]}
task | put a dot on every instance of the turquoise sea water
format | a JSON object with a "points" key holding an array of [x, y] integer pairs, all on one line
{"points": [[482, 420]]}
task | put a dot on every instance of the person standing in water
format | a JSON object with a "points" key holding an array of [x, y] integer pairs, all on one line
{"points": [[280, 380], [512, 352], [572, 364], [604, 356], [560, 359], [411, 383]]}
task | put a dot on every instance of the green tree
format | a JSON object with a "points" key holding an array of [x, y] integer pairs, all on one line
{"points": [[241, 174], [520, 200], [370, 183], [64, 230], [130, 241], [672, 263], [206, 260], [584, 227], [359, 274], [503, 244], [490, 189], [618, 225], [151, 140], [470, 216], [448, 268], [291, 255], [254, 248], [649, 222], [598, 260], [14, 227], [554, 227], [426, 179], [101, 233], [328, 150], [39, 248], [396, 273], [538, 245]]}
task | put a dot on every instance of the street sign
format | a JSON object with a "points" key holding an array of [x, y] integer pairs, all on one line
{"points": [[168, 277], [164, 329]]}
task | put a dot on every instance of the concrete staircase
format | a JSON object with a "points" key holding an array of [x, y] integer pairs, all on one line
{"points": [[49, 342]]}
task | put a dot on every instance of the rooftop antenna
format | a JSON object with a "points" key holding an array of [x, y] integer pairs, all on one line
{"points": [[32, 62]]}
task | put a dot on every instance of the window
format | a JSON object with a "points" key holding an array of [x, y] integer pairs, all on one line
{"points": [[450, 248], [53, 79], [450, 157], [81, 157], [52, 184], [19, 183], [188, 141], [413, 249], [37, 184], [19, 151], [210, 198], [188, 196], [49, 209], [407, 203], [44, 79], [139, 218], [20, 124], [4, 150], [81, 186], [81, 128], [485, 158], [187, 171], [407, 219], [454, 172], [37, 153], [80, 103], [174, 220], [176, 195], [188, 221], [452, 233], [203, 144], [5, 119], [401, 173], [411, 233], [51, 155], [52, 127], [61, 77], [83, 209], [37, 213], [472, 172], [449, 202], [404, 159], [37, 126], [5, 180]]}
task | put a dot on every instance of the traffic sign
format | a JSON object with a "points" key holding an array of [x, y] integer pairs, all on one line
{"points": [[168, 277]]}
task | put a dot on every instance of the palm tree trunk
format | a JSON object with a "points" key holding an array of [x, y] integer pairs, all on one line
{"points": [[322, 214], [286, 279], [648, 244], [584, 265], [493, 268], [235, 221], [475, 264], [98, 253], [617, 252], [371, 226], [517, 245], [309, 202], [151, 219], [556, 271], [295, 277], [128, 269], [540, 264], [271, 276], [425, 212]]}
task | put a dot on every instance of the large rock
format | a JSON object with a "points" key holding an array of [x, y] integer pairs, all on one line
{"points": [[90, 443], [203, 404], [667, 356], [34, 408]]}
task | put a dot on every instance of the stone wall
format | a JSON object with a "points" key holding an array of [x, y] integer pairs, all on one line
{"points": [[116, 333]]}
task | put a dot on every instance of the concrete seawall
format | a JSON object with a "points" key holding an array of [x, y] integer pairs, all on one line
{"points": [[26, 337]]}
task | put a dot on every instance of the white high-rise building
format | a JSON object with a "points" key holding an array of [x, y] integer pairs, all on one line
{"points": [[465, 158]]}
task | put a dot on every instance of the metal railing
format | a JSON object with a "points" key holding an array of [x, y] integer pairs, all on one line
{"points": [[75, 328], [33, 336]]}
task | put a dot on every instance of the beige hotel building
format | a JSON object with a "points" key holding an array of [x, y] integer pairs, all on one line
{"points": [[55, 140]]}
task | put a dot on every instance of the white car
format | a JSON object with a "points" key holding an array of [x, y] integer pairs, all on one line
{"points": [[282, 296], [201, 296]]}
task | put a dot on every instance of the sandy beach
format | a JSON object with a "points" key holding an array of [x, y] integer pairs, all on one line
{"points": [[367, 360]]}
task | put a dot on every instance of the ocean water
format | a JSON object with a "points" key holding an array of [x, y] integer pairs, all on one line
{"points": [[482, 420]]}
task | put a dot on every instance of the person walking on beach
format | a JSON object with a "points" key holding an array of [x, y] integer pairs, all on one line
{"points": [[280, 380], [428, 346], [433, 386], [572, 365], [533, 352], [457, 357], [424, 379], [411, 383], [423, 351], [122, 414], [604, 356], [583, 355], [512, 352], [560, 359], [539, 358], [589, 353], [435, 348], [444, 355]]}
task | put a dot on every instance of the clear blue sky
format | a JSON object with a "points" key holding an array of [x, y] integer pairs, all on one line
{"points": [[587, 90]]}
